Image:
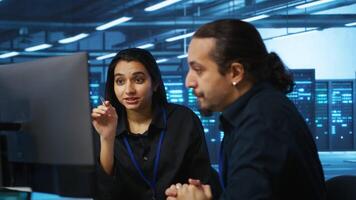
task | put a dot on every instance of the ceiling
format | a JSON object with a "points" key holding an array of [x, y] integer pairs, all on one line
{"points": [[28, 23]]}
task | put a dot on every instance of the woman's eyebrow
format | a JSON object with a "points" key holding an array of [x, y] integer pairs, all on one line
{"points": [[138, 73]]}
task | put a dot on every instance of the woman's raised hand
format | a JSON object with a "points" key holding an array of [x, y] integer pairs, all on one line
{"points": [[105, 121]]}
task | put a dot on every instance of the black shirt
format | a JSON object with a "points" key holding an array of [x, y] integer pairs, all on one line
{"points": [[183, 155], [268, 150]]}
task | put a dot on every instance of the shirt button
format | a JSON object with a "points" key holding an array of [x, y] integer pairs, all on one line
{"points": [[145, 158]]}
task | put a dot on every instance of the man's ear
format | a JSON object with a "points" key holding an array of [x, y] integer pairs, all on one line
{"points": [[237, 73]]}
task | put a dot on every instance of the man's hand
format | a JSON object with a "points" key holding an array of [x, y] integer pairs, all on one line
{"points": [[194, 191]]}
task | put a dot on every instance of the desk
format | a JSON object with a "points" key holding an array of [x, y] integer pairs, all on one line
{"points": [[25, 193], [45, 196], [14, 194]]}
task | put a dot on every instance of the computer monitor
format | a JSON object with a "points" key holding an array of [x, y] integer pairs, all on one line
{"points": [[47, 140]]}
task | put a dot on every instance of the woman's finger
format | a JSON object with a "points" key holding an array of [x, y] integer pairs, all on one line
{"points": [[100, 111], [96, 115]]}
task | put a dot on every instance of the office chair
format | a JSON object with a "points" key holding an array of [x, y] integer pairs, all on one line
{"points": [[341, 188]]}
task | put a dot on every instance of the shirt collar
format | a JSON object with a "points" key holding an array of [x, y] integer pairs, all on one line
{"points": [[231, 114], [157, 121]]}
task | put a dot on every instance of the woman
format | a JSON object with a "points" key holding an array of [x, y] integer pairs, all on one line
{"points": [[146, 143]]}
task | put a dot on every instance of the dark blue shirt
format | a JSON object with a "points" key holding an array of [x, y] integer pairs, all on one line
{"points": [[268, 150]]}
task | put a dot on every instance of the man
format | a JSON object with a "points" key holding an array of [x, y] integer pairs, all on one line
{"points": [[268, 151]]}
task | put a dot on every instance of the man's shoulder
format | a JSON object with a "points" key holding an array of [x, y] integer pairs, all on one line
{"points": [[269, 101]]}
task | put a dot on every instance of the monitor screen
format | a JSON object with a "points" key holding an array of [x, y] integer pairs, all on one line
{"points": [[46, 127]]}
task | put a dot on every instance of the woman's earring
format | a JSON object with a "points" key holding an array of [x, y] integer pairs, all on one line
{"points": [[234, 83]]}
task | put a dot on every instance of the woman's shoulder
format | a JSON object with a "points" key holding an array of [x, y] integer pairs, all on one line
{"points": [[172, 107], [183, 118], [180, 110]]}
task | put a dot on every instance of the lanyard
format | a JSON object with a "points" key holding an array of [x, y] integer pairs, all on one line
{"points": [[221, 166], [151, 183]]}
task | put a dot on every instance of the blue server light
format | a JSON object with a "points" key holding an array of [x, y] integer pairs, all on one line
{"points": [[303, 95], [174, 88], [341, 114], [96, 85], [221, 135], [322, 115]]}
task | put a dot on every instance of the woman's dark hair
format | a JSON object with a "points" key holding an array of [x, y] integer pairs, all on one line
{"points": [[239, 41], [148, 61]]}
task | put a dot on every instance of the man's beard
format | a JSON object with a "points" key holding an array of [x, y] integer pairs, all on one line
{"points": [[205, 112]]}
